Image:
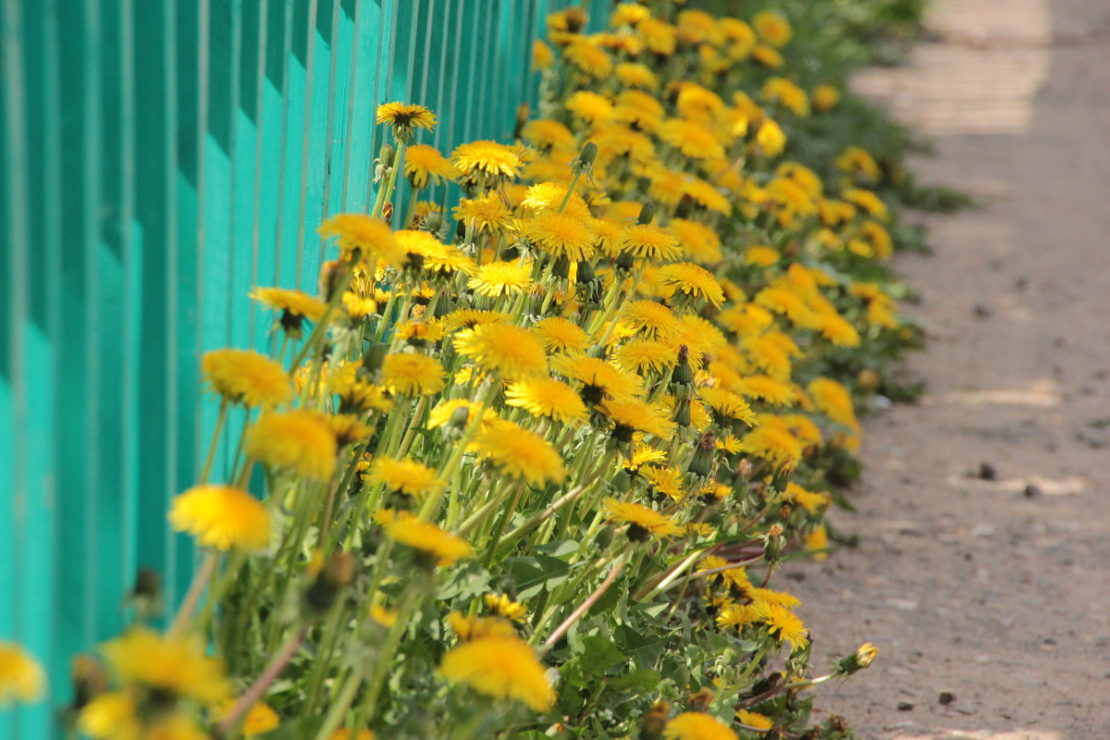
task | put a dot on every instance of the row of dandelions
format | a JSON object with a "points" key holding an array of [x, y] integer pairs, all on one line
{"points": [[529, 466]]}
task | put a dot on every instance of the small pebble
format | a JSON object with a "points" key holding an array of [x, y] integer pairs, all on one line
{"points": [[946, 697], [982, 311], [904, 706], [1031, 491], [987, 471]]}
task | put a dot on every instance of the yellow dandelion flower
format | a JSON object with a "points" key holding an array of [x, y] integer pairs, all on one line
{"points": [[403, 118], [407, 476], [383, 616], [792, 97], [466, 318], [560, 335], [736, 578], [754, 720], [639, 109], [737, 615], [506, 607], [590, 107], [599, 378], [222, 517], [811, 502], [588, 59], [473, 627], [777, 446], [498, 279], [176, 665], [650, 242], [633, 415], [768, 389], [817, 542], [770, 139], [644, 355], [520, 454], [770, 596], [359, 397], [560, 235], [858, 162], [542, 56], [664, 479], [773, 27], [657, 35], [260, 718], [487, 212], [693, 281], [424, 165], [692, 139], [651, 319], [699, 242], [728, 406], [21, 677], [358, 307], [771, 355], [642, 521], [298, 440], [740, 35], [825, 97], [444, 547], [761, 256], [835, 401], [457, 412], [697, 726], [111, 716], [628, 14], [363, 237], [410, 374], [246, 377], [504, 667], [867, 200], [546, 133], [633, 74], [487, 158], [785, 302], [547, 397], [551, 196], [783, 623], [420, 333], [293, 304], [510, 350]]}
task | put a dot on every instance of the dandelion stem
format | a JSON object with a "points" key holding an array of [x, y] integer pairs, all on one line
{"points": [[221, 419], [258, 688], [196, 587], [584, 607]]}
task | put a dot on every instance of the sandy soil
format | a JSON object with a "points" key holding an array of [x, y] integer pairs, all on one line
{"points": [[993, 587]]}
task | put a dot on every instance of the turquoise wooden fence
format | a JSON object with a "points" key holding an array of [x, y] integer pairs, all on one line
{"points": [[158, 158]]}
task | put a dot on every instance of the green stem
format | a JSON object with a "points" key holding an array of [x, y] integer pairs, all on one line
{"points": [[220, 420]]}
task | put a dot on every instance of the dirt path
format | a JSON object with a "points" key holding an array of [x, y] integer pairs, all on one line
{"points": [[995, 590]]}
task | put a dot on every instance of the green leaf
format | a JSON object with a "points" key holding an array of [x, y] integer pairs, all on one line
{"points": [[636, 682]]}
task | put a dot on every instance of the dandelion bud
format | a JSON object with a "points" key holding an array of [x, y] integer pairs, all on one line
{"points": [[521, 119], [337, 573], [386, 156], [655, 719], [700, 700], [683, 373], [561, 268], [146, 594], [701, 464], [647, 213], [622, 481], [586, 158], [374, 357], [682, 415], [744, 468], [625, 262], [89, 680], [858, 660]]}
